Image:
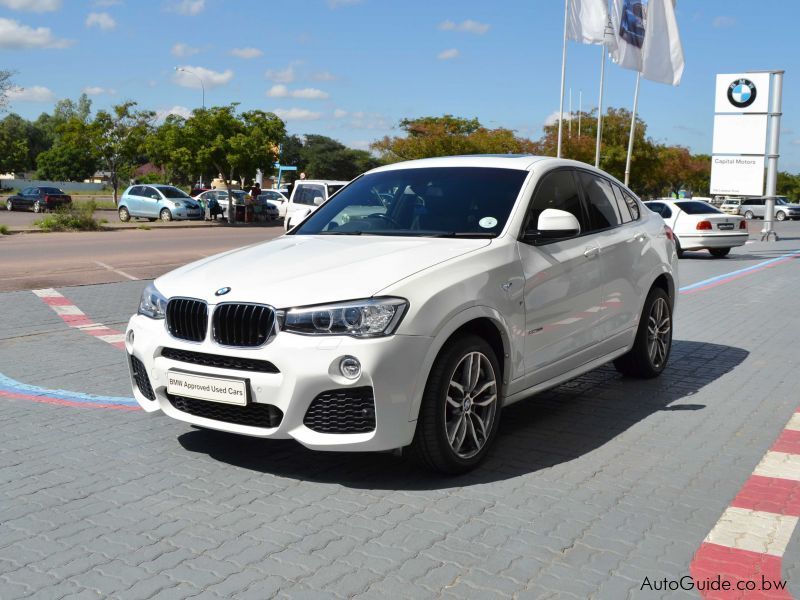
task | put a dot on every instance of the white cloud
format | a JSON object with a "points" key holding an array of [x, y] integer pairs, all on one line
{"points": [[297, 114], [468, 26], [340, 3], [190, 8], [96, 90], [323, 76], [246, 53], [32, 5], [181, 111], [183, 50], [360, 144], [366, 120], [449, 54], [102, 20], [281, 75], [340, 113], [552, 118], [281, 91], [211, 79], [35, 93], [723, 21], [16, 36]]}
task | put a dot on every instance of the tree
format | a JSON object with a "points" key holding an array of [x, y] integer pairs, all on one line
{"points": [[448, 135], [117, 138], [165, 148], [326, 158], [6, 85], [232, 144], [13, 144], [788, 185], [679, 170]]}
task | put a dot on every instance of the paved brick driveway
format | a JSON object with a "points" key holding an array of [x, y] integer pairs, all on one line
{"points": [[592, 487]]}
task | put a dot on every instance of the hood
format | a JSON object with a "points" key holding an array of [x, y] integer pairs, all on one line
{"points": [[302, 270]]}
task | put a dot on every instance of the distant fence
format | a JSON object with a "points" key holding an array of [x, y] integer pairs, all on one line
{"points": [[67, 186]]}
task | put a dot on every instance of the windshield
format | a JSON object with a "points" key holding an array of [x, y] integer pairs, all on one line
{"points": [[781, 201], [172, 192], [434, 202], [696, 208]]}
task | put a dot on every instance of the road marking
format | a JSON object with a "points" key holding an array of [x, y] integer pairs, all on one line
{"points": [[749, 539], [720, 279], [75, 318], [14, 390], [117, 271]]}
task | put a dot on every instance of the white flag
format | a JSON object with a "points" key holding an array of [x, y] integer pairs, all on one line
{"points": [[648, 39], [586, 21]]}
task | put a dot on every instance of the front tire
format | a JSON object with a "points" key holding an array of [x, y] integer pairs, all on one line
{"points": [[165, 215], [780, 215], [719, 252], [650, 352], [124, 215], [460, 408], [749, 215]]}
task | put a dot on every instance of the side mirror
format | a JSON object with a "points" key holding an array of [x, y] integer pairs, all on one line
{"points": [[553, 224], [318, 200]]}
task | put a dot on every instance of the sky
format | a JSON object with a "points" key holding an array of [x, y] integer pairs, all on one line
{"points": [[352, 69]]}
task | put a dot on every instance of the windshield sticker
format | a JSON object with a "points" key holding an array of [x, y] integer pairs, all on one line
{"points": [[487, 222]]}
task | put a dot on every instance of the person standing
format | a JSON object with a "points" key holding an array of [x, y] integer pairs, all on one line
{"points": [[255, 192]]}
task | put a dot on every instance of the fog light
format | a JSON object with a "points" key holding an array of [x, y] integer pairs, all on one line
{"points": [[350, 367]]}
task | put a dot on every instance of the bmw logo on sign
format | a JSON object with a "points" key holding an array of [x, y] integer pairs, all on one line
{"points": [[222, 291], [742, 93]]}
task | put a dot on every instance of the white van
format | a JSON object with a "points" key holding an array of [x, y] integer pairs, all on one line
{"points": [[307, 195]]}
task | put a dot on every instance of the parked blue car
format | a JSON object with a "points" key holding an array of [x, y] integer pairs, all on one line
{"points": [[165, 202]]}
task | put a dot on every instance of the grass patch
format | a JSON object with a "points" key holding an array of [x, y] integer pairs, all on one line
{"points": [[74, 218], [144, 226], [4, 229]]}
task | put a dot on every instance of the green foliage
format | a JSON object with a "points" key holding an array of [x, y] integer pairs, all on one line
{"points": [[5, 86], [4, 230], [78, 217], [789, 185], [118, 138], [446, 136], [13, 145], [68, 160]]}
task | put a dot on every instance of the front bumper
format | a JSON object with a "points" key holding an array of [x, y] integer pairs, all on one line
{"points": [[308, 367]]}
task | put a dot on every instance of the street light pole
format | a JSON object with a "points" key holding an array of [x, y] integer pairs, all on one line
{"points": [[202, 87], [200, 79]]}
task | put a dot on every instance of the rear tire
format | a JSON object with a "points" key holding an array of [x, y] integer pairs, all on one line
{"points": [[719, 252], [124, 215], [165, 215], [749, 215], [460, 409], [650, 352], [9, 205], [37, 207]]}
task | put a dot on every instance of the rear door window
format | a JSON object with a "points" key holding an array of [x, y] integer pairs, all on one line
{"points": [[600, 202]]}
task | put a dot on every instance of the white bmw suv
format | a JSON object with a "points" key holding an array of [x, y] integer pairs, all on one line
{"points": [[476, 282]]}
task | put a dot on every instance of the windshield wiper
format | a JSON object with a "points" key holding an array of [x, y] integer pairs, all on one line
{"points": [[339, 233], [464, 234]]}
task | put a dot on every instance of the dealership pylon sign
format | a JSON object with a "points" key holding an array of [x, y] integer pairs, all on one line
{"points": [[747, 117]]}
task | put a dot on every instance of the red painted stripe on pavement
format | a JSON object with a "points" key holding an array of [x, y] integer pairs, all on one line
{"points": [[61, 402], [770, 494], [56, 301], [736, 566], [789, 442]]}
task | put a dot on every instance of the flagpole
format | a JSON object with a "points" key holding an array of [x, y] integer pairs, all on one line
{"points": [[633, 128], [563, 75], [580, 110], [600, 106], [569, 121]]}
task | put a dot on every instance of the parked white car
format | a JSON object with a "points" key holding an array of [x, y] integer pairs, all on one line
{"points": [[730, 206], [307, 196], [482, 280], [700, 226], [276, 199]]}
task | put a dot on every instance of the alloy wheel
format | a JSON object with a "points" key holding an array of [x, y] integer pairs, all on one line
{"points": [[471, 404], [659, 329]]}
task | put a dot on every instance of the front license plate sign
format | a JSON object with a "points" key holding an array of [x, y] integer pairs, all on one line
{"points": [[213, 389]]}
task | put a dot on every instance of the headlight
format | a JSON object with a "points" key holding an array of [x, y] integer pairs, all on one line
{"points": [[153, 304], [178, 204], [372, 317]]}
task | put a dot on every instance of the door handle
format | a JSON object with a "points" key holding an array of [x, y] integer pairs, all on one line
{"points": [[591, 252]]}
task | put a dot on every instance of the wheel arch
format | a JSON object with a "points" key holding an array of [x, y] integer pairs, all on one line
{"points": [[666, 283], [482, 321]]}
